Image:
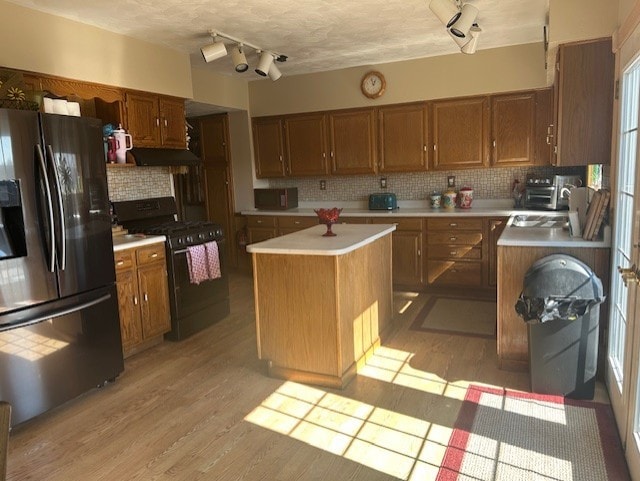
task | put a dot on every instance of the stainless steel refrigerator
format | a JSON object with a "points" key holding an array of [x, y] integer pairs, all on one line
{"points": [[59, 325]]}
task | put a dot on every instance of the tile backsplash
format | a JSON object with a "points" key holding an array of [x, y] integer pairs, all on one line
{"points": [[131, 183], [490, 183]]}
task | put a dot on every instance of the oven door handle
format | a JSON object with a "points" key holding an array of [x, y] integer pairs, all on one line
{"points": [[180, 251]]}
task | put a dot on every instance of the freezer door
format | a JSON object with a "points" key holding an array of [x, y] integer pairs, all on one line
{"points": [[75, 156], [62, 350], [25, 276]]}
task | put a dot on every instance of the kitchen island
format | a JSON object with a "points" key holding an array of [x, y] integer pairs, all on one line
{"points": [[322, 302]]}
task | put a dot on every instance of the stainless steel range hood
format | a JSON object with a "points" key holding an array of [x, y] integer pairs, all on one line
{"points": [[148, 157]]}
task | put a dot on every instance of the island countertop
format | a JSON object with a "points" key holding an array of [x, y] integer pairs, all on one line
{"points": [[310, 241]]}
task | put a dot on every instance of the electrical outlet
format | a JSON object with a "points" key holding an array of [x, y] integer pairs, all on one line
{"points": [[451, 181], [383, 182], [323, 185]]}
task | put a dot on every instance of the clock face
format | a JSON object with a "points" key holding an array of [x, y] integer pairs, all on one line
{"points": [[373, 85]]}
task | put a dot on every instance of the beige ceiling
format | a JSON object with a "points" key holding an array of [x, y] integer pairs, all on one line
{"points": [[316, 35]]}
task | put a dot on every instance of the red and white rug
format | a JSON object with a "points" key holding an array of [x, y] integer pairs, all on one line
{"points": [[503, 435]]}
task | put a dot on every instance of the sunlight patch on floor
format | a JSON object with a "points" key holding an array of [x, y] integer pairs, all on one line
{"points": [[384, 440]]}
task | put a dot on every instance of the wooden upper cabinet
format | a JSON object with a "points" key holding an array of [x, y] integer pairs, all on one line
{"points": [[353, 142], [584, 103], [403, 138], [268, 148], [306, 144], [460, 133], [513, 129], [543, 141], [214, 130], [155, 121], [172, 123]]}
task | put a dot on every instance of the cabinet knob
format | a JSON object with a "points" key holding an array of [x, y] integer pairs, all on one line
{"points": [[135, 300], [258, 222], [494, 144], [452, 238], [419, 253], [165, 122], [453, 253], [157, 122], [120, 263], [296, 222], [146, 297], [453, 224], [453, 270], [154, 255]]}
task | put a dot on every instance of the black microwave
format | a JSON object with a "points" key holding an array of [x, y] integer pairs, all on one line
{"points": [[275, 199]]}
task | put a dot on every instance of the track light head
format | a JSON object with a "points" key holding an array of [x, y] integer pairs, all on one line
{"points": [[266, 60], [446, 11], [460, 28], [213, 51], [239, 59], [474, 33], [274, 72]]}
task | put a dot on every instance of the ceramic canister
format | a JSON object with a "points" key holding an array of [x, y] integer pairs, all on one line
{"points": [[465, 197], [435, 200], [449, 199]]}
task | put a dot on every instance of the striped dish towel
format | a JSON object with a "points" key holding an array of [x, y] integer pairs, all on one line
{"points": [[197, 262], [213, 260]]}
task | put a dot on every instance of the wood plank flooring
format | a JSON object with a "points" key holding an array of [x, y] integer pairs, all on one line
{"points": [[203, 409]]}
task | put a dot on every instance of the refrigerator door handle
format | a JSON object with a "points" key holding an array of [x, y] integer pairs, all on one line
{"points": [[43, 172], [63, 234], [60, 313]]}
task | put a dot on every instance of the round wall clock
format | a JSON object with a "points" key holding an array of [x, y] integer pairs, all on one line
{"points": [[373, 84]]}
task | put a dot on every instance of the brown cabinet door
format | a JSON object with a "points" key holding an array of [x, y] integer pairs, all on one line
{"points": [[407, 258], [403, 138], [584, 104], [128, 308], [353, 142], [460, 133], [306, 145], [172, 123], [543, 141], [513, 128], [268, 148], [154, 300], [495, 227], [143, 119], [259, 234]]}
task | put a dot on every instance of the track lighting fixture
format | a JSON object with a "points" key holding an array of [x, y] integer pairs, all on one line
{"points": [[265, 67], [239, 59], [460, 21], [214, 50]]}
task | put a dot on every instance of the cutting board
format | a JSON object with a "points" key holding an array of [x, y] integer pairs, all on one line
{"points": [[592, 213]]}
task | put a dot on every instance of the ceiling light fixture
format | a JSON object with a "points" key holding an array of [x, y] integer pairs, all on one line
{"points": [[460, 21], [239, 59], [214, 50], [266, 66], [446, 11]]}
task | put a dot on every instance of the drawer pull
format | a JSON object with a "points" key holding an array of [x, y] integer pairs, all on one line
{"points": [[135, 300], [453, 224], [453, 270], [452, 238], [453, 253], [258, 222], [296, 222], [154, 255], [146, 297], [120, 263]]}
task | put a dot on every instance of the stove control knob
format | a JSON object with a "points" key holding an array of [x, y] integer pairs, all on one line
{"points": [[201, 236], [179, 241], [189, 238]]}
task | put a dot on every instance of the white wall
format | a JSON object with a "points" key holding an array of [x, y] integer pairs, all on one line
{"points": [[44, 43]]}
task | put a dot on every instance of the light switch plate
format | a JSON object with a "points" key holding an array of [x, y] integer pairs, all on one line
{"points": [[323, 185], [383, 182], [451, 181]]}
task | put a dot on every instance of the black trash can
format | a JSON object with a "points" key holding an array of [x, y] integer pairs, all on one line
{"points": [[560, 301]]}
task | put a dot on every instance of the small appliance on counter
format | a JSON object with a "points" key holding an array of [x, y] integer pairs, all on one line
{"points": [[275, 199], [383, 201], [550, 193]]}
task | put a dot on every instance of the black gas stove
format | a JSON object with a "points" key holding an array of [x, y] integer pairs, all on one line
{"points": [[193, 306]]}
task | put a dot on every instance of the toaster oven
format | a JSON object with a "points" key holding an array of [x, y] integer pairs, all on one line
{"points": [[550, 193]]}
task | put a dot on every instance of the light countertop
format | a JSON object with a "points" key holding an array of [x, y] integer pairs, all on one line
{"points": [[131, 241], [479, 208], [311, 242], [549, 237]]}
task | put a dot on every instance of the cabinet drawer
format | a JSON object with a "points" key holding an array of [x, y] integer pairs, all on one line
{"points": [[148, 254], [261, 220], [451, 223], [353, 220], [454, 238], [124, 259], [296, 222], [454, 273], [438, 251], [401, 223]]}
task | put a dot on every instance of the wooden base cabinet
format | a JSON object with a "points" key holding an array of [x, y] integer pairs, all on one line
{"points": [[408, 241], [143, 297]]}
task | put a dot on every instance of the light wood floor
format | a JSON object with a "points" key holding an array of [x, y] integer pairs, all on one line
{"points": [[203, 409]]}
